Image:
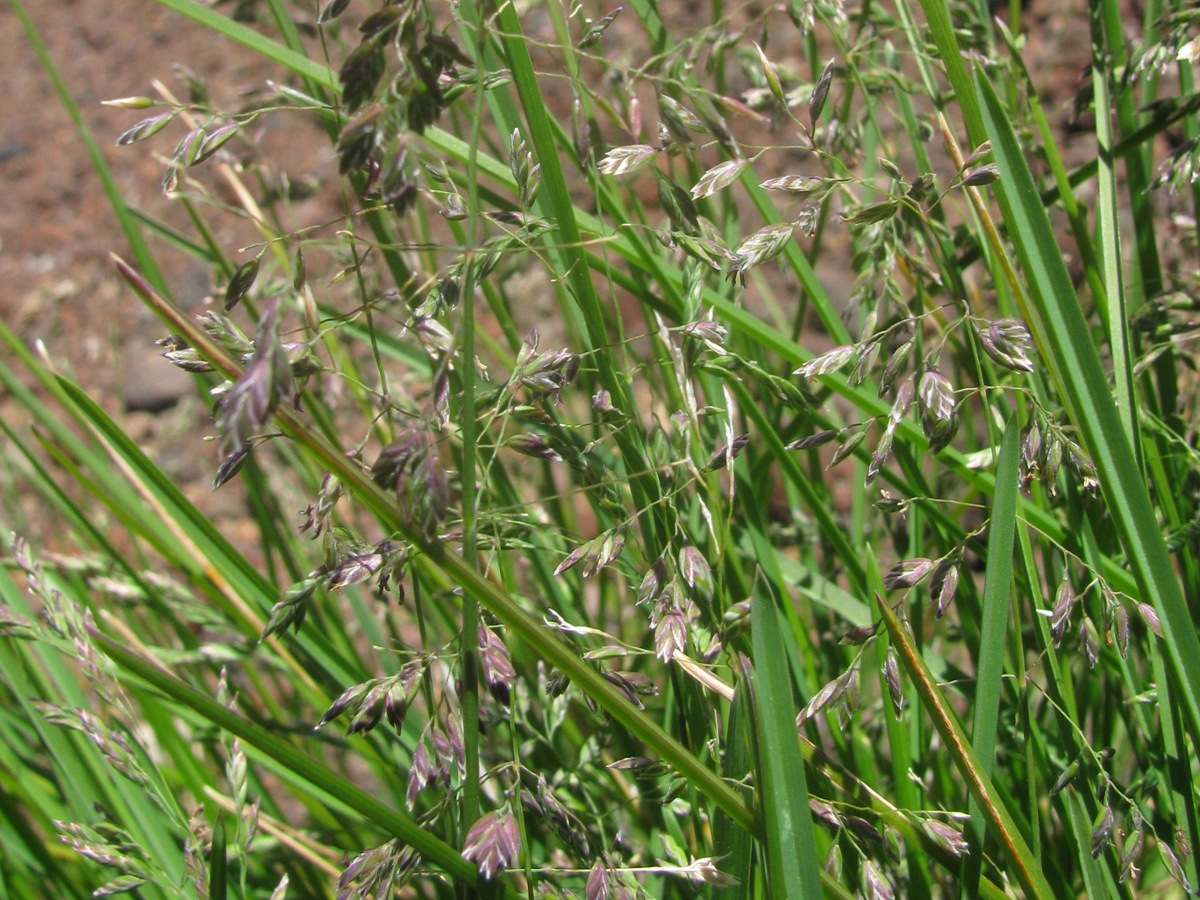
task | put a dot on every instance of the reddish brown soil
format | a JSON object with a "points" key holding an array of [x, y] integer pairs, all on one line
{"points": [[57, 228]]}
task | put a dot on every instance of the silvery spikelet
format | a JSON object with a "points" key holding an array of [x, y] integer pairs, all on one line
{"points": [[936, 409], [1007, 342], [895, 366], [762, 246], [623, 160], [907, 573], [250, 403], [891, 674], [410, 466], [882, 451], [493, 843], [498, 671], [950, 839]]}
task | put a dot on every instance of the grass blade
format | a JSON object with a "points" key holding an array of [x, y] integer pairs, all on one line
{"points": [[997, 591], [75, 763], [1029, 874], [901, 756], [746, 547], [1089, 401], [644, 486], [787, 823], [218, 870], [174, 238], [221, 563], [729, 840], [128, 222], [941, 29], [1115, 312], [739, 319], [218, 24], [1092, 882], [816, 505]]}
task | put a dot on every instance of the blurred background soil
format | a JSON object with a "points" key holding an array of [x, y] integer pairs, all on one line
{"points": [[57, 284], [57, 229]]}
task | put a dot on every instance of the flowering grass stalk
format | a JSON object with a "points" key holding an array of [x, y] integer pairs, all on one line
{"points": [[635, 557]]}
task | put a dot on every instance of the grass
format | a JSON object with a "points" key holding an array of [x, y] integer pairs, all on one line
{"points": [[692, 593]]}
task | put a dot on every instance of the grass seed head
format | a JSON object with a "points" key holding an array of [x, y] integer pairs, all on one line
{"points": [[1007, 342], [937, 409]]}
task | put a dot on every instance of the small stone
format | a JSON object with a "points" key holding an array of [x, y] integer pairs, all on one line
{"points": [[150, 383]]}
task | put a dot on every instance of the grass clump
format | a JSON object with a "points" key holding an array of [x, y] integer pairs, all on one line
{"points": [[632, 562]]}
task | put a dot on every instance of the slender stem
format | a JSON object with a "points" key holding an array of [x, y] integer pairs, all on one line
{"points": [[366, 301], [980, 785], [469, 647], [518, 806], [419, 606], [1110, 240], [643, 484]]}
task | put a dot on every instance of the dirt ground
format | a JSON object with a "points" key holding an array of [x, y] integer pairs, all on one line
{"points": [[57, 228]]}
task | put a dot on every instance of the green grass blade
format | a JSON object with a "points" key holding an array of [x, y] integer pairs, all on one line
{"points": [[218, 24], [1089, 401], [174, 238], [815, 587], [227, 566], [1093, 885], [218, 865], [1028, 873], [554, 186], [737, 318], [728, 840], [1164, 118], [35, 672], [1114, 309], [1075, 212], [83, 449], [802, 671], [1179, 780], [787, 822], [941, 28], [1148, 277], [830, 529], [997, 592], [1191, 125], [745, 323], [900, 752]]}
